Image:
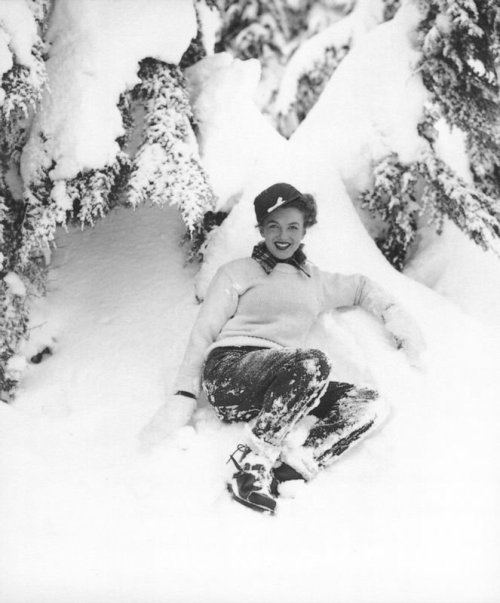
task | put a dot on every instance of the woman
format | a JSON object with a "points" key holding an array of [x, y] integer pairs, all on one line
{"points": [[247, 346]]}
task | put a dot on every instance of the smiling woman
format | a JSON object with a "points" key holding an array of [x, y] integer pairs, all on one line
{"points": [[247, 350], [283, 232], [283, 220]]}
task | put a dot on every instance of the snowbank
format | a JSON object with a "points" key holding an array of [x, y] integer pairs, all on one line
{"points": [[87, 517], [454, 266], [234, 135]]}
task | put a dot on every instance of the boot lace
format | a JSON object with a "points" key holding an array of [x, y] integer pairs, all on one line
{"points": [[243, 449]]}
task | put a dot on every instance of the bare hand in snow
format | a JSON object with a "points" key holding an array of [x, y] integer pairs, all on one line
{"points": [[168, 420]]}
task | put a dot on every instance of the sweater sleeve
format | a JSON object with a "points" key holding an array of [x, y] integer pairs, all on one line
{"points": [[220, 304], [341, 290], [358, 290]]}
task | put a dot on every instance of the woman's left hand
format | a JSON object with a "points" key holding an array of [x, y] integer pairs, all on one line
{"points": [[412, 348], [406, 335]]}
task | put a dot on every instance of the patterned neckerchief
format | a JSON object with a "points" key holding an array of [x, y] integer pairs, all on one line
{"points": [[267, 260]]}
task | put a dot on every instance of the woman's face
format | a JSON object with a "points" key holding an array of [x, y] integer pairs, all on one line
{"points": [[283, 231]]}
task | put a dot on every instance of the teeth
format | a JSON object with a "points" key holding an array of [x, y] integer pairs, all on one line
{"points": [[282, 245]]}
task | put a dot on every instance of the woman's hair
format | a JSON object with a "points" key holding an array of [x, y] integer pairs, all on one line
{"points": [[305, 204]]}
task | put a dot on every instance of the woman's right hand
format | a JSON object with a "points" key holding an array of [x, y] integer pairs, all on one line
{"points": [[168, 420]]}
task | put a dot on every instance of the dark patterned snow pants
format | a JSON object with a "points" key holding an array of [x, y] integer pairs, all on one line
{"points": [[278, 387]]}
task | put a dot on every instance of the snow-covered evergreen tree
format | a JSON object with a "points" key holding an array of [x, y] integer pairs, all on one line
{"points": [[256, 28], [21, 88], [166, 167], [92, 193], [427, 189], [393, 199], [206, 15], [316, 59], [65, 158], [84, 198], [268, 31], [304, 83], [41, 12], [460, 44], [461, 55]]}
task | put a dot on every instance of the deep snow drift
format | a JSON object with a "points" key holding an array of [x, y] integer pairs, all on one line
{"points": [[410, 515]]}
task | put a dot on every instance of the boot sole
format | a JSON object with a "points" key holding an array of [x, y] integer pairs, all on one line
{"points": [[247, 503]]}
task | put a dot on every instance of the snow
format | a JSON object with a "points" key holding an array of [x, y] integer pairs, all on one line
{"points": [[15, 284], [20, 29], [313, 50], [94, 56], [89, 517], [371, 105], [16, 365], [60, 196], [6, 61], [210, 25], [450, 263], [458, 269], [18, 34], [234, 136], [342, 33]]}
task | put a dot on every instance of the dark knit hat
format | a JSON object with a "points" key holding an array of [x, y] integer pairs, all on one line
{"points": [[273, 197]]}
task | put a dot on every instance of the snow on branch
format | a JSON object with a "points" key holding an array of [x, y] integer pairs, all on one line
{"points": [[22, 86], [254, 28], [315, 60], [93, 192], [166, 167], [447, 195], [85, 197], [23, 78], [62, 151], [393, 199], [41, 11], [308, 72], [428, 188], [460, 42], [23, 73]]}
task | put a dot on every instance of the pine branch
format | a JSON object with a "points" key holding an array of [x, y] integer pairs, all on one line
{"points": [[429, 188], [460, 55], [167, 168]]}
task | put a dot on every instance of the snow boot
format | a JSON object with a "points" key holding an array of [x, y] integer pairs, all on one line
{"points": [[251, 484], [284, 473]]}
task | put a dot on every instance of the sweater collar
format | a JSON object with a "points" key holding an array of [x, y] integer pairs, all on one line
{"points": [[267, 260]]}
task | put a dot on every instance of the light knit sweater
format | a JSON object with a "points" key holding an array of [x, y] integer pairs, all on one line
{"points": [[245, 306]]}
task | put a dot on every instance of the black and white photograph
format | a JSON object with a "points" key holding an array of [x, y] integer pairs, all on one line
{"points": [[249, 301]]}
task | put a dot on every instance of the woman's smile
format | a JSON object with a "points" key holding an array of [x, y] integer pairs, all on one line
{"points": [[282, 246]]}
